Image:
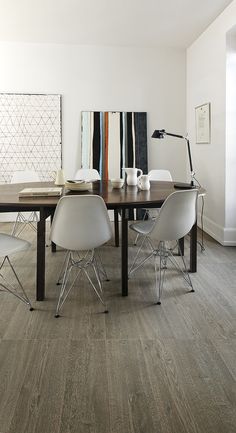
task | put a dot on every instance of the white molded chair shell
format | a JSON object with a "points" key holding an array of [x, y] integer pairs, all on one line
{"points": [[163, 175], [175, 219], [177, 216], [87, 174], [25, 176], [81, 223]]}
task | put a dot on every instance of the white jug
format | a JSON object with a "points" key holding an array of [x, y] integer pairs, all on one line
{"points": [[132, 175], [143, 182], [60, 178]]}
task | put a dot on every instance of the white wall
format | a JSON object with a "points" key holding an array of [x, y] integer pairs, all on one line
{"points": [[230, 201], [206, 82], [104, 78]]}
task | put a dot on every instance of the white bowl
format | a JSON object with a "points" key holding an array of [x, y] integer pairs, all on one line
{"points": [[78, 186], [117, 183]]}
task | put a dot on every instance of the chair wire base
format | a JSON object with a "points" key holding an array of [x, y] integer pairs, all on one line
{"points": [[100, 267], [163, 253], [82, 263], [23, 222], [6, 286]]}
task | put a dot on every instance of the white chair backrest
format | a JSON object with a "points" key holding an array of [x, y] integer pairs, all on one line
{"points": [[87, 174], [81, 223], [177, 215], [25, 176], [160, 175]]}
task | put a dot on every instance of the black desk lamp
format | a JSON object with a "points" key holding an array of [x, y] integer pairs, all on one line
{"points": [[161, 133]]}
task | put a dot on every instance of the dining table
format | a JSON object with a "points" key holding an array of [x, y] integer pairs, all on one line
{"points": [[122, 200]]}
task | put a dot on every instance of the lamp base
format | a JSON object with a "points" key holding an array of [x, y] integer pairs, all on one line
{"points": [[182, 185]]}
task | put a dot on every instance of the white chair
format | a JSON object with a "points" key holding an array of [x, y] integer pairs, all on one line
{"points": [[12, 245], [87, 174], [176, 218], [21, 220], [92, 174], [80, 225], [161, 175]]}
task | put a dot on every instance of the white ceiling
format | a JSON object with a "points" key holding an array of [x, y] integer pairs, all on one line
{"points": [[173, 23]]}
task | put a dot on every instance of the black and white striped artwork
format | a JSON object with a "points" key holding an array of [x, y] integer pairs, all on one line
{"points": [[114, 140]]}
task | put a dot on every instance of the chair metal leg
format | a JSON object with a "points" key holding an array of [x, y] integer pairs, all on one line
{"points": [[59, 281], [161, 252], [94, 287], [15, 224], [100, 266], [133, 268], [184, 272], [67, 271], [11, 289]]}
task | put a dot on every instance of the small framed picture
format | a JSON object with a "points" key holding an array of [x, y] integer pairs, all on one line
{"points": [[203, 123]]}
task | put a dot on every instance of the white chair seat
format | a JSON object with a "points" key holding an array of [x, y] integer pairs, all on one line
{"points": [[143, 227], [11, 245]]}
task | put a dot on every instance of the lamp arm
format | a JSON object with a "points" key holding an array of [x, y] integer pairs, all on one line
{"points": [[190, 161], [160, 133], [174, 135]]}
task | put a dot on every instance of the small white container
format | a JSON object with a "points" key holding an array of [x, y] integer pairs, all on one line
{"points": [[117, 183], [143, 182], [132, 175], [60, 178]]}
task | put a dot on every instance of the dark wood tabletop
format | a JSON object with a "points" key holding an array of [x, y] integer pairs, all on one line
{"points": [[114, 198]]}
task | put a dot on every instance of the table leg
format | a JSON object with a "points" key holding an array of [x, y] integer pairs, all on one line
{"points": [[53, 246], [116, 224], [124, 252], [40, 271], [193, 248], [181, 246]]}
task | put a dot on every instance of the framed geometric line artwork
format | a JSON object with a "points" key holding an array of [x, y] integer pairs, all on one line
{"points": [[30, 134]]}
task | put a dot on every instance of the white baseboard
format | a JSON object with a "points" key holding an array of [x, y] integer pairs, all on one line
{"points": [[225, 236]]}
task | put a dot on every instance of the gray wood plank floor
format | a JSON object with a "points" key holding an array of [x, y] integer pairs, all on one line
{"points": [[142, 368]]}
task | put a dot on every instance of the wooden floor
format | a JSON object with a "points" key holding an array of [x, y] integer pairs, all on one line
{"points": [[142, 368]]}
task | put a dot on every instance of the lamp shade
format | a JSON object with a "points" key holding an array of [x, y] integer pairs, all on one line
{"points": [[158, 133]]}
